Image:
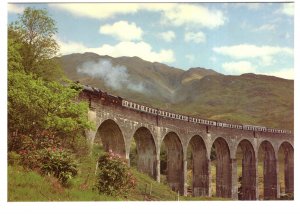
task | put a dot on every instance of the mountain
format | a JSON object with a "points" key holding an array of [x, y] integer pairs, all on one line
{"points": [[248, 98]]}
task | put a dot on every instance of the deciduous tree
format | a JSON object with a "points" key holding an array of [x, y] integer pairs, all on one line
{"points": [[35, 31]]}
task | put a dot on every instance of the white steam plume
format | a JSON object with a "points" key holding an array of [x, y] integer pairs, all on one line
{"points": [[116, 77]]}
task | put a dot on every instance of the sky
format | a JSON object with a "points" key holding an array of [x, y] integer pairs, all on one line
{"points": [[230, 38], [261, 34]]}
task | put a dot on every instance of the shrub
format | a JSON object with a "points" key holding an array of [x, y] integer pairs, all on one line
{"points": [[59, 163], [50, 161], [114, 176]]}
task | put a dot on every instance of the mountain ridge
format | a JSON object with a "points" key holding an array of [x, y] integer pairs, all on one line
{"points": [[196, 91]]}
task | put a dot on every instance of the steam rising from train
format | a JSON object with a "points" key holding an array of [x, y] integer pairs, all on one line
{"points": [[116, 77]]}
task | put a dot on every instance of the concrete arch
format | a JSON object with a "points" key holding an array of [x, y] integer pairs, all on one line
{"points": [[111, 136], [288, 151], [223, 168], [248, 182], [146, 151], [174, 150], [200, 163], [267, 151]]}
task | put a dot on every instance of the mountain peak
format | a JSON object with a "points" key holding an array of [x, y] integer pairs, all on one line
{"points": [[197, 73]]}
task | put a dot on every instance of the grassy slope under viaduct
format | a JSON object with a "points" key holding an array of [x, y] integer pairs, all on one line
{"points": [[24, 185]]}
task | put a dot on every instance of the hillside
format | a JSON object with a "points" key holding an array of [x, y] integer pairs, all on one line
{"points": [[249, 98], [28, 185]]}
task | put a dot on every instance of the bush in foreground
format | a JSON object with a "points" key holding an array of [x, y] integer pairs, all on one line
{"points": [[114, 176], [54, 161]]}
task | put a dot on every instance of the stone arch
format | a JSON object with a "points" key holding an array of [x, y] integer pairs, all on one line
{"points": [[146, 151], [248, 182], [225, 140], [200, 179], [111, 137], [223, 168], [267, 152], [288, 152], [175, 176]]}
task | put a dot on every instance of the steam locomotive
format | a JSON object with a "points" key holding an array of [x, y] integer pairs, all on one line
{"points": [[119, 101]]}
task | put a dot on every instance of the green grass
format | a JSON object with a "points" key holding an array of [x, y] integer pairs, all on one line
{"points": [[26, 185]]}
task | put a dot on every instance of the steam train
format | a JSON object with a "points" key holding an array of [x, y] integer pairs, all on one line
{"points": [[119, 101]]}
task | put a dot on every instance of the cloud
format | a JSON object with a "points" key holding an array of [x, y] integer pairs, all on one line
{"points": [[69, 47], [190, 14], [15, 8], [140, 49], [288, 9], [286, 73], [168, 36], [97, 10], [266, 27], [247, 51], [240, 67], [198, 37], [171, 13], [250, 6], [213, 59], [122, 31]]}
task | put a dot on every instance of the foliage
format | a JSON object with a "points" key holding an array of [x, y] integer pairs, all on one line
{"points": [[59, 163], [36, 106], [13, 56], [163, 162], [34, 32], [114, 176], [133, 154], [54, 161]]}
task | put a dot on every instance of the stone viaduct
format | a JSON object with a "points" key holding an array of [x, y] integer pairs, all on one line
{"points": [[117, 127]]}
